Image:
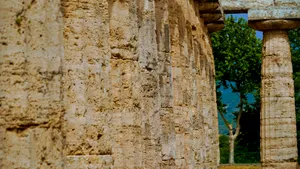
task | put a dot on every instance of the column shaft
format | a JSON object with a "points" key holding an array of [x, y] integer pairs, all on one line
{"points": [[278, 121]]}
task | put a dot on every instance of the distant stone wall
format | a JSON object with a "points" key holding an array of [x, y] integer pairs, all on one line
{"points": [[106, 83]]}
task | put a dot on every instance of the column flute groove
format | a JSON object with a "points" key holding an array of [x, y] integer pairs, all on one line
{"points": [[278, 142]]}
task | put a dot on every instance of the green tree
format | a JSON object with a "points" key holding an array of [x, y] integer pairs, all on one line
{"points": [[248, 148], [237, 54], [294, 37], [224, 149]]}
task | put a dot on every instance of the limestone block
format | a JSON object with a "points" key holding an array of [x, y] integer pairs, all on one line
{"points": [[165, 82], [31, 103], [106, 84], [279, 24], [286, 154], [87, 86], [90, 162], [32, 148], [290, 3], [123, 75], [243, 5], [30, 62], [280, 107], [274, 12], [208, 6], [96, 140], [276, 66], [280, 131], [127, 147], [277, 87], [279, 142], [280, 165], [167, 134], [123, 40]]}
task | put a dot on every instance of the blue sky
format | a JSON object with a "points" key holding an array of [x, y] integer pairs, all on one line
{"points": [[259, 34]]}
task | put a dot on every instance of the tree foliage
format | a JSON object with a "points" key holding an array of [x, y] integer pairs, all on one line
{"points": [[294, 37], [237, 56], [224, 149], [237, 53], [248, 149]]}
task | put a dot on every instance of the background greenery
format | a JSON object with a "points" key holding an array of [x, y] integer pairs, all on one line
{"points": [[237, 53], [294, 37]]}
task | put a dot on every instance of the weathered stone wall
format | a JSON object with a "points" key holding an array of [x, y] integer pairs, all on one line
{"points": [[106, 83], [31, 51]]}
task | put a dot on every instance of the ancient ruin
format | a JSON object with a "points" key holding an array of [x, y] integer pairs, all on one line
{"points": [[130, 83], [278, 143]]}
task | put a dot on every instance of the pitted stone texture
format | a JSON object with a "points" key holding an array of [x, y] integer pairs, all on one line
{"points": [[280, 24], [274, 12], [31, 50], [88, 95], [278, 121], [237, 6], [279, 165], [150, 113], [90, 162], [32, 148], [121, 84], [193, 88], [244, 5]]}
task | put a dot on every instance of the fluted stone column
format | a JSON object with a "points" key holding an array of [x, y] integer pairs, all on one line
{"points": [[278, 121]]}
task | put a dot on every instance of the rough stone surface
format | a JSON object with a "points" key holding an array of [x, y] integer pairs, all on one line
{"points": [[278, 121], [31, 107], [242, 6], [106, 84], [276, 12], [280, 24]]}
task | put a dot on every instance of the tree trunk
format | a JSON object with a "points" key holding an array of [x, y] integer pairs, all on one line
{"points": [[232, 136], [231, 148]]}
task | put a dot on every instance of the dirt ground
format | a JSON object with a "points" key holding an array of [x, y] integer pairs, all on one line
{"points": [[240, 166], [243, 166]]}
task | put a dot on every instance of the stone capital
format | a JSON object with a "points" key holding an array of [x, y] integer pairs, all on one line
{"points": [[283, 17], [214, 27], [280, 24]]}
